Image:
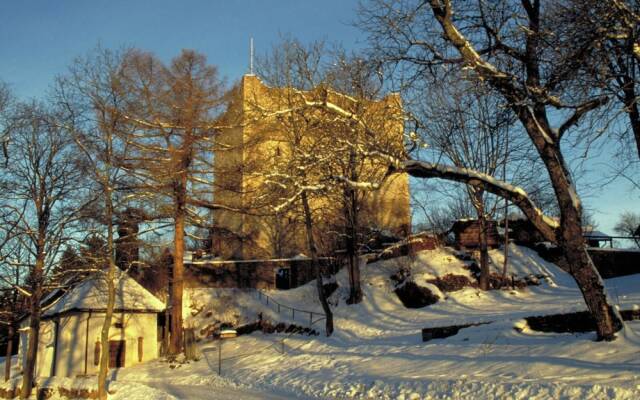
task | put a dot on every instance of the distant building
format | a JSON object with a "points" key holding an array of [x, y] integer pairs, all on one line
{"points": [[595, 237], [467, 233], [522, 231], [283, 273], [250, 145], [69, 343]]}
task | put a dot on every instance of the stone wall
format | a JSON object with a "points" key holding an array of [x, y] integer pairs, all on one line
{"points": [[259, 274], [610, 263], [615, 262], [409, 246]]}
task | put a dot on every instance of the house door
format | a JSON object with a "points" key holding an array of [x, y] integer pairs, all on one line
{"points": [[283, 278], [117, 349]]}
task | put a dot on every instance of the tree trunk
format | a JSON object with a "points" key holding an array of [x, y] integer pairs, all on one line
{"points": [[570, 239], [547, 142], [104, 334], [34, 325], [631, 106], [484, 254], [506, 238], [589, 281], [355, 290], [506, 211], [308, 223], [175, 343], [7, 359], [478, 203], [111, 296]]}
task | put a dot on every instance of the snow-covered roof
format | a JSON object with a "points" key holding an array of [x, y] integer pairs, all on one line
{"points": [[91, 294], [597, 234]]}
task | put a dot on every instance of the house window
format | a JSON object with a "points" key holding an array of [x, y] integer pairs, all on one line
{"points": [[140, 347], [96, 354]]}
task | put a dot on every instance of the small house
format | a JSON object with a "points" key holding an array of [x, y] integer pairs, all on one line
{"points": [[467, 233], [69, 343]]}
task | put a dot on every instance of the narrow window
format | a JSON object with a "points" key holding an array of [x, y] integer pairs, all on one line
{"points": [[96, 354], [140, 345]]}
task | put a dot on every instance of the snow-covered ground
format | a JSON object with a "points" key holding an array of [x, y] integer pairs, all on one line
{"points": [[377, 352]]}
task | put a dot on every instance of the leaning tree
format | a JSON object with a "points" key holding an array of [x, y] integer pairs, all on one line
{"points": [[504, 45], [41, 189]]}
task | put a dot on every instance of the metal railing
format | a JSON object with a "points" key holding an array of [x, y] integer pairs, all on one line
{"points": [[278, 345], [285, 310]]}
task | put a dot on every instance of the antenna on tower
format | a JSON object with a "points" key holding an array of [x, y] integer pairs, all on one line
{"points": [[251, 56]]}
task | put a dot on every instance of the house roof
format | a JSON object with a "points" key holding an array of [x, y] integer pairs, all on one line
{"points": [[464, 223], [91, 295], [597, 235]]}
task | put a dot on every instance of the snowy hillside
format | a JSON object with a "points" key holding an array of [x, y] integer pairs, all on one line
{"points": [[381, 314], [377, 351]]}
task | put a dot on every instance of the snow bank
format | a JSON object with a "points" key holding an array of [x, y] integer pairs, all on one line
{"points": [[377, 352]]}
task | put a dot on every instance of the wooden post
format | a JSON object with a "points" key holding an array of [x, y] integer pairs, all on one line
{"points": [[55, 346], [86, 345], [220, 358], [189, 344], [9, 358]]}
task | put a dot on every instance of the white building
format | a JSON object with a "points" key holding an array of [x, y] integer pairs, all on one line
{"points": [[70, 330]]}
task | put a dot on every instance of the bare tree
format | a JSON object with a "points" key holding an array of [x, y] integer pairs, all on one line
{"points": [[606, 33], [503, 45], [13, 302], [471, 131], [296, 176], [10, 272], [91, 96], [171, 114], [7, 103], [40, 201], [629, 225], [318, 78]]}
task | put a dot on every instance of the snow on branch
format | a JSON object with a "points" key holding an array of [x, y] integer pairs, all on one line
{"points": [[367, 186], [421, 169], [302, 189]]}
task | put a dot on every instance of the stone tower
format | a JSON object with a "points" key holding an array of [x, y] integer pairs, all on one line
{"points": [[246, 146]]}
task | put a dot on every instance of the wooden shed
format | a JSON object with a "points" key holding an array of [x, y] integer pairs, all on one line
{"points": [[467, 233], [523, 232], [69, 343]]}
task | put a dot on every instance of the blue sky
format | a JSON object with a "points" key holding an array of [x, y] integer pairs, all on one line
{"points": [[39, 39]]}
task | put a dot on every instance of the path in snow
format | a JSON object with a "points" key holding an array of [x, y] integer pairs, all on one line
{"points": [[203, 392]]}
